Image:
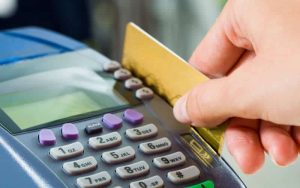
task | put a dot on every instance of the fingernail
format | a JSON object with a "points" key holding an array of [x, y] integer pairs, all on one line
{"points": [[272, 154], [180, 110], [274, 161]]}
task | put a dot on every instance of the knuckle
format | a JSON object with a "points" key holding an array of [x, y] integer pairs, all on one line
{"points": [[241, 136], [241, 100]]}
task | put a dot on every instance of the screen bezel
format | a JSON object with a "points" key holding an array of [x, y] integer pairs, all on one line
{"points": [[7, 123]]}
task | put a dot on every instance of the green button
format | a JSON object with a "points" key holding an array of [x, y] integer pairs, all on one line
{"points": [[206, 184]]}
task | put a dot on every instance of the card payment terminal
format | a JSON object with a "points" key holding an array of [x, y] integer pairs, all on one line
{"points": [[71, 117]]}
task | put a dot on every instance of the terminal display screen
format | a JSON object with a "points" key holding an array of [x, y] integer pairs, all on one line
{"points": [[37, 100], [30, 112]]}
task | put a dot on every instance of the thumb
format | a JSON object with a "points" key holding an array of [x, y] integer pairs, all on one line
{"points": [[208, 104], [240, 94]]}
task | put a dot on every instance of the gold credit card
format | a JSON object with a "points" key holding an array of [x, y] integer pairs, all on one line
{"points": [[165, 72]]}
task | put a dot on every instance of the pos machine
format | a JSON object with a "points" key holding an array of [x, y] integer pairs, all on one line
{"points": [[71, 117]]}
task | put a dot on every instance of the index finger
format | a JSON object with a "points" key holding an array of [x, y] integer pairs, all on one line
{"points": [[218, 52]]}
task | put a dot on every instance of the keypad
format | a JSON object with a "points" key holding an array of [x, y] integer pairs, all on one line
{"points": [[152, 182], [169, 161], [133, 170], [118, 156], [142, 132], [66, 151], [80, 166], [184, 175], [96, 180], [105, 141], [156, 146]]}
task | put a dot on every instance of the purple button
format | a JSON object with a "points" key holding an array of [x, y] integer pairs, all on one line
{"points": [[47, 137], [69, 131], [112, 121], [133, 116]]}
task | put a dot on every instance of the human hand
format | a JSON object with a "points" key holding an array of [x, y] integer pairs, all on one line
{"points": [[252, 54]]}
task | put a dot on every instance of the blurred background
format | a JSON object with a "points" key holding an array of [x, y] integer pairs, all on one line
{"points": [[178, 24]]}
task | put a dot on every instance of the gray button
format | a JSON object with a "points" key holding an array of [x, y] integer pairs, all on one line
{"points": [[184, 175], [122, 74], [133, 83], [66, 151], [111, 66], [156, 146], [144, 93], [105, 141], [132, 171], [95, 180], [142, 132], [93, 128], [152, 182], [169, 161], [80, 166], [120, 155]]}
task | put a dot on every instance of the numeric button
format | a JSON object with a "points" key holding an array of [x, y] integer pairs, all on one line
{"points": [[120, 155], [96, 180], [152, 182], [184, 175], [169, 161], [156, 146], [133, 170], [142, 132], [66, 151], [105, 141], [80, 166]]}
